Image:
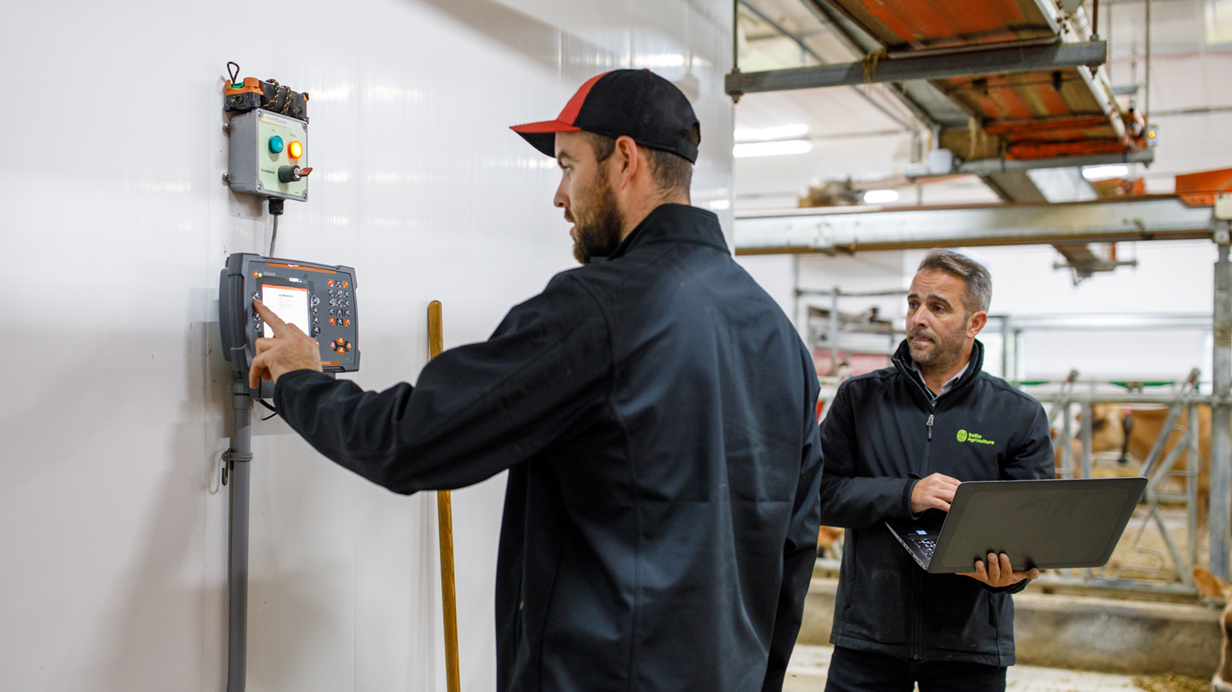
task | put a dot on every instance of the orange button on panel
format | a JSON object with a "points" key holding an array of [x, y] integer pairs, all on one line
{"points": [[332, 322], [341, 341], [346, 323], [346, 284], [348, 345], [330, 283]]}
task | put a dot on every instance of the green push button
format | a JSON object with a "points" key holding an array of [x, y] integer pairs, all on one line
{"points": [[275, 144]]}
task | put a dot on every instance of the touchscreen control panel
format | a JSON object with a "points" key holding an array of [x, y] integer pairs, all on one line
{"points": [[317, 298]]}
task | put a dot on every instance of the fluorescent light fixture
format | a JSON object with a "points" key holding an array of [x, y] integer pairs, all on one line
{"points": [[1116, 170], [750, 134], [720, 204], [791, 146], [659, 60], [880, 196]]}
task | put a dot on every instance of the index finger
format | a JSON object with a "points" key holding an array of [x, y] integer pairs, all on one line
{"points": [[274, 321]]}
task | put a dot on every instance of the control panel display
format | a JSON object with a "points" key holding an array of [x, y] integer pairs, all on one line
{"points": [[289, 303], [317, 298]]}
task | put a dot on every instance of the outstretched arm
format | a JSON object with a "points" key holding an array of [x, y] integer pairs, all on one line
{"points": [[476, 410]]}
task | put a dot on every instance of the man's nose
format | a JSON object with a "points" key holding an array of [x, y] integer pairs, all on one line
{"points": [[561, 199]]}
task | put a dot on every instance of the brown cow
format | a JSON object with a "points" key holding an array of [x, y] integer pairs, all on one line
{"points": [[1149, 423], [829, 542], [1214, 587], [1107, 434], [1145, 426]]}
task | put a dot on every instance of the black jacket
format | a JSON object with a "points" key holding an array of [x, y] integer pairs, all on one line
{"points": [[656, 415], [878, 442]]}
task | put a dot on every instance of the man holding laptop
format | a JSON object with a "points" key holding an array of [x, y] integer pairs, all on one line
{"points": [[897, 443]]}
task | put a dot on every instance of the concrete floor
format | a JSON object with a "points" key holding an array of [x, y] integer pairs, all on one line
{"points": [[807, 673]]}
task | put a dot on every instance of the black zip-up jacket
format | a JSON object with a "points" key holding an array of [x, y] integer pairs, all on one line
{"points": [[656, 413], [883, 432]]}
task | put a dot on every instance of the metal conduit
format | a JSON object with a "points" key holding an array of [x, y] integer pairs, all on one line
{"points": [[238, 458]]}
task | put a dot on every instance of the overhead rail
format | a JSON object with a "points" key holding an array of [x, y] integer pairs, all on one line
{"points": [[1003, 165], [974, 63], [1016, 80], [846, 230]]}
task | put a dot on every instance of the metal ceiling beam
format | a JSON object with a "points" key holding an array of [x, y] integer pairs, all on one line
{"points": [[804, 47], [991, 166], [985, 62], [845, 230]]}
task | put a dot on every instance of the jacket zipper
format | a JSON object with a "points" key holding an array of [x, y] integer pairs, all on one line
{"points": [[917, 580]]}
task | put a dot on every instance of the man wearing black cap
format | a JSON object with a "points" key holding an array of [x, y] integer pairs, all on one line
{"points": [[655, 412]]}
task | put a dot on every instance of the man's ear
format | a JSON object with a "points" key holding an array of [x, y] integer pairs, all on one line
{"points": [[976, 323], [627, 162]]}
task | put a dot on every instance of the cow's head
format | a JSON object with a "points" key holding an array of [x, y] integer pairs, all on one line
{"points": [[1213, 587]]}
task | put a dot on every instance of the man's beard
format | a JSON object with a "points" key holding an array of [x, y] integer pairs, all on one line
{"points": [[944, 352], [597, 231]]}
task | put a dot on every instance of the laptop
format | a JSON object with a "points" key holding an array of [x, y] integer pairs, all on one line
{"points": [[1049, 523]]}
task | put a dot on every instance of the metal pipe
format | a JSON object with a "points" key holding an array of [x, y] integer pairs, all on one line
{"points": [[1067, 447], [1221, 412], [1095, 398], [795, 298], [238, 458], [853, 229], [834, 330], [735, 36], [1087, 422], [852, 294], [990, 166], [1146, 107], [1107, 322], [1194, 460], [1005, 350]]}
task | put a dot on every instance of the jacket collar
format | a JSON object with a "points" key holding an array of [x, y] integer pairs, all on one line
{"points": [[903, 361], [674, 223]]}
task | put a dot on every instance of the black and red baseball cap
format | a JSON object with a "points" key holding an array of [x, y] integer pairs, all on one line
{"points": [[636, 103]]}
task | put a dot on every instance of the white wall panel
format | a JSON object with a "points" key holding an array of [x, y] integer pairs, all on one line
{"points": [[116, 223]]}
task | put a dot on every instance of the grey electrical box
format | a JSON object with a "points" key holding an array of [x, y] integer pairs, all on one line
{"points": [[269, 155]]}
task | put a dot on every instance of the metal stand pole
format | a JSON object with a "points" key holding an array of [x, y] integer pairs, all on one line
{"points": [[237, 467], [1067, 437], [834, 331], [1194, 465], [1006, 335], [1085, 431], [1221, 413]]}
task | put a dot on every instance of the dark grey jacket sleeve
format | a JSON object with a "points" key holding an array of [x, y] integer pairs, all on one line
{"points": [[800, 550], [848, 499], [477, 409]]}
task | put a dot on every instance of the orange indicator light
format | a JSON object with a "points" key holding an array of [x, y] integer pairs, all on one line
{"points": [[295, 149]]}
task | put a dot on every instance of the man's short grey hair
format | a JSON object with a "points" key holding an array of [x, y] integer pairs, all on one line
{"points": [[978, 292]]}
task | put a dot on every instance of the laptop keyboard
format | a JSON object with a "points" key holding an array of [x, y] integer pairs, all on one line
{"points": [[926, 544]]}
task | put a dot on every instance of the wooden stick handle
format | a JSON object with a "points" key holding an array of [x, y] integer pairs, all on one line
{"points": [[444, 515], [436, 330]]}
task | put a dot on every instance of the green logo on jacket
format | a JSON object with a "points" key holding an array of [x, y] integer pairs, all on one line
{"points": [[973, 438]]}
